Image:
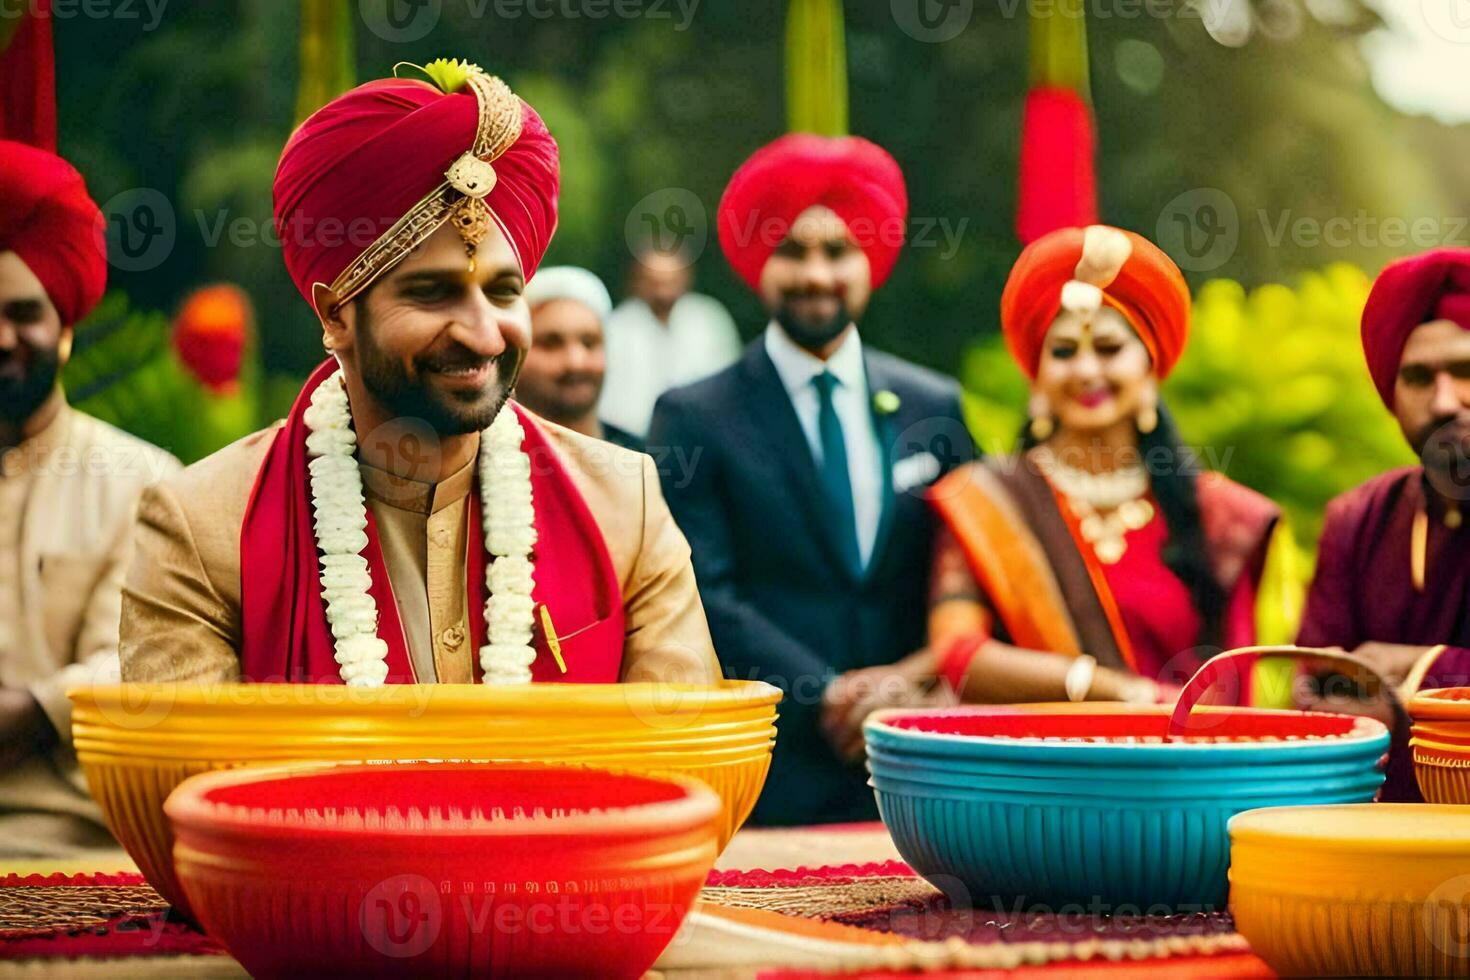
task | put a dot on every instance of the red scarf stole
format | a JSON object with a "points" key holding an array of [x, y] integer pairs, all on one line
{"points": [[285, 635]]}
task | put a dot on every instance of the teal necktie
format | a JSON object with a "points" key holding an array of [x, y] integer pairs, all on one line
{"points": [[835, 480]]}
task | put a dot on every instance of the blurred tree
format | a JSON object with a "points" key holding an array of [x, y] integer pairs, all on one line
{"points": [[816, 68], [328, 45], [124, 371]]}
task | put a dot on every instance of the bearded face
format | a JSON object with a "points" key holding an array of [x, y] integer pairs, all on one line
{"points": [[30, 341], [437, 342], [818, 281]]}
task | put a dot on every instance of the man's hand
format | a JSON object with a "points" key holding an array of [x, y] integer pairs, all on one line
{"points": [[24, 728], [851, 697], [1332, 688]]}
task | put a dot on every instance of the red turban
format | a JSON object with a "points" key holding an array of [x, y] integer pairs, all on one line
{"points": [[1108, 266], [1410, 292], [857, 179], [376, 157], [50, 221]]}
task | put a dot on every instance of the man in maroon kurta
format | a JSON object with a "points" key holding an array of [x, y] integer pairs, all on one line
{"points": [[1393, 573]]}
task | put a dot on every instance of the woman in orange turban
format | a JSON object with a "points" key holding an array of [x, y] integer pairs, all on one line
{"points": [[1099, 562]]}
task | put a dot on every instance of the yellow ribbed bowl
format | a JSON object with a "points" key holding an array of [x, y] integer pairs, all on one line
{"points": [[1442, 771], [1374, 889], [136, 742]]}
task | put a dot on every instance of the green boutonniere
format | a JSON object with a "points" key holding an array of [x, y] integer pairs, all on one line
{"points": [[885, 402]]}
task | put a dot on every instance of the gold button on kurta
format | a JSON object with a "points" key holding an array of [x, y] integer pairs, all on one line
{"points": [[425, 537]]}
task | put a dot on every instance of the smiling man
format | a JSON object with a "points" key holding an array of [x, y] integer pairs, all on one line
{"points": [[1393, 569], [565, 368], [805, 505], [408, 522]]}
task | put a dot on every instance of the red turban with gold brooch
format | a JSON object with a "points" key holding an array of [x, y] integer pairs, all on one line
{"points": [[1097, 265], [856, 179], [1408, 293], [380, 168], [50, 221]]}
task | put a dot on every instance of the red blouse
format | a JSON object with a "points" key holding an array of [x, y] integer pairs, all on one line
{"points": [[1158, 610]]}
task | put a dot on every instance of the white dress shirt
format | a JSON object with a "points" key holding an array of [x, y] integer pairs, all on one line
{"points": [[796, 368], [645, 358]]}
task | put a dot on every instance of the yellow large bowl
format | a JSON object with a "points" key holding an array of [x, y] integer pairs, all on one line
{"points": [[136, 742], [1372, 889]]}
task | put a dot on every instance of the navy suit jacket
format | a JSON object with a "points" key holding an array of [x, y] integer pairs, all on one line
{"points": [[782, 604]]}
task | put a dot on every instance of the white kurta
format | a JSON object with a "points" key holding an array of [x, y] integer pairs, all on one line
{"points": [[645, 357]]}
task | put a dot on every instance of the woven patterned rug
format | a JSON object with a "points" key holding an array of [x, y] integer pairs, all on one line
{"points": [[921, 929], [882, 911]]}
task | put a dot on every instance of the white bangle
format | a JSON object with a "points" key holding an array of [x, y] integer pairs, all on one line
{"points": [[1079, 678]]}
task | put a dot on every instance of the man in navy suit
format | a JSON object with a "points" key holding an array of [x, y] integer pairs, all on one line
{"points": [[803, 497]]}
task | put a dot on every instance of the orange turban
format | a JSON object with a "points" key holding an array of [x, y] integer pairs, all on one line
{"points": [[1095, 265]]}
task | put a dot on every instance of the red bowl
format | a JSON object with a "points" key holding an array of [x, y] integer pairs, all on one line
{"points": [[442, 869]]}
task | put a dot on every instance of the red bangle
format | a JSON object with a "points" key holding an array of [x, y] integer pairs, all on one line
{"points": [[956, 660]]}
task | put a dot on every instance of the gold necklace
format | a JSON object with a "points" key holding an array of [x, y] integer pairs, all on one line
{"points": [[1108, 533], [1107, 507]]}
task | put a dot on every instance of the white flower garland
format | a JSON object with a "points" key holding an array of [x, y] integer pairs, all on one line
{"points": [[508, 515]]}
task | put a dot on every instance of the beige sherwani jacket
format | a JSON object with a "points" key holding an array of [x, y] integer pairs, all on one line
{"points": [[181, 604], [67, 500]]}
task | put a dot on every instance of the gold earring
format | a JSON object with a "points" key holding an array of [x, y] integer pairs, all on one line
{"points": [[1148, 413], [1041, 425]]}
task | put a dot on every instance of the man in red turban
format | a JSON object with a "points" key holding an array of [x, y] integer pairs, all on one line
{"points": [[68, 488], [1393, 566], [407, 522], [805, 509]]}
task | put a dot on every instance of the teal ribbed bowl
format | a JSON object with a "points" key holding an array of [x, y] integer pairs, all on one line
{"points": [[1051, 811]]}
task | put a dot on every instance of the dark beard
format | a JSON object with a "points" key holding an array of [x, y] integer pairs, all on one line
{"points": [[1444, 449], [413, 397], [19, 399], [813, 337]]}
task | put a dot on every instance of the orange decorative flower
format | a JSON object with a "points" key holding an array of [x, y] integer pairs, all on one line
{"points": [[210, 333]]}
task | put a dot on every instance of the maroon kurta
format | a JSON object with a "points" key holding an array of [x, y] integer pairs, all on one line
{"points": [[1364, 589]]}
